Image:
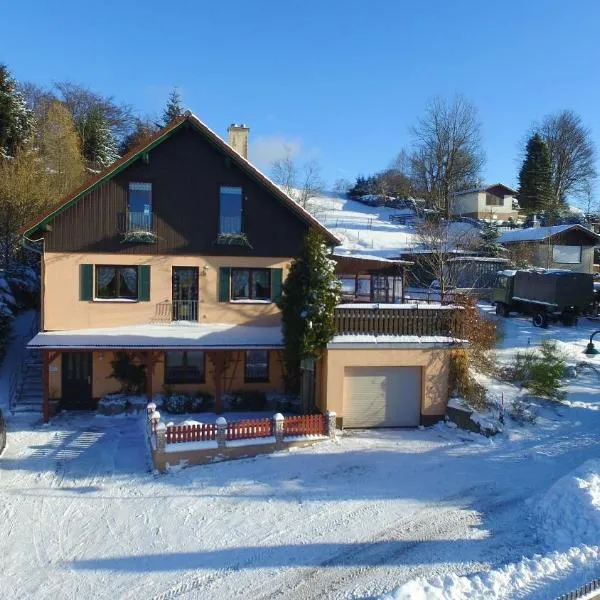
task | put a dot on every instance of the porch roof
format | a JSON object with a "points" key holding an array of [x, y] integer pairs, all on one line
{"points": [[178, 335]]}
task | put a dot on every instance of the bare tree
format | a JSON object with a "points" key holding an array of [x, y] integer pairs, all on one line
{"points": [[300, 183], [447, 156], [439, 240], [572, 154]]}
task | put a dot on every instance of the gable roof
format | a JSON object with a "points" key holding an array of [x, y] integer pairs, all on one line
{"points": [[538, 234], [485, 188], [158, 138]]}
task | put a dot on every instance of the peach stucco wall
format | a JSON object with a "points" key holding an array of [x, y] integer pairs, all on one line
{"points": [[62, 308], [103, 384], [435, 363]]}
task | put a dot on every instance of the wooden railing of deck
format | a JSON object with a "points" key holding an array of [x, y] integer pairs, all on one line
{"points": [[442, 321]]}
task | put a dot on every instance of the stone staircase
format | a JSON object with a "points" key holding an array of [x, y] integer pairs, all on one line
{"points": [[30, 394]]}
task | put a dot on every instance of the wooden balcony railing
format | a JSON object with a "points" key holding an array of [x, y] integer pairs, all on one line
{"points": [[444, 321]]}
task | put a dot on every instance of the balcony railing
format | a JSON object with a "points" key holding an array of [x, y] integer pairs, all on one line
{"points": [[178, 310], [130, 222], [444, 321]]}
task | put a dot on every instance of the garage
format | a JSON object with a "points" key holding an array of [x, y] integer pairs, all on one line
{"points": [[382, 396]]}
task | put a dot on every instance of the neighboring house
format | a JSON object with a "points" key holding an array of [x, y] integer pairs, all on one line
{"points": [[490, 202], [478, 272], [176, 254], [558, 247]]}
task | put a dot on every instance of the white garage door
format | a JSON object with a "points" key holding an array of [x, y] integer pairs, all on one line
{"points": [[382, 396]]}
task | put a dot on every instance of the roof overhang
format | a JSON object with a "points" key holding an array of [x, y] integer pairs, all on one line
{"points": [[174, 336]]}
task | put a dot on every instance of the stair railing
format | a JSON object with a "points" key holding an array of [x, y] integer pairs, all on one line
{"points": [[15, 381]]}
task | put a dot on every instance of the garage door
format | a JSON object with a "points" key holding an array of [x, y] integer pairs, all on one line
{"points": [[382, 396]]}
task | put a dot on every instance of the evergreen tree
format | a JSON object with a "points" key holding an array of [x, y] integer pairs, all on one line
{"points": [[535, 177], [16, 120], [60, 149], [143, 131], [99, 145], [310, 295], [174, 108], [489, 241]]}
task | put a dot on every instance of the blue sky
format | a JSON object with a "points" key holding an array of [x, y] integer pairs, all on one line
{"points": [[338, 81]]}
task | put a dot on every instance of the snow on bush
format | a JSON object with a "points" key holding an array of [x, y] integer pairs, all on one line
{"points": [[179, 404], [536, 578], [569, 513]]}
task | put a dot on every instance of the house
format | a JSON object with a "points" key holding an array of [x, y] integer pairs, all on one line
{"points": [[176, 255], [489, 202], [558, 247]]}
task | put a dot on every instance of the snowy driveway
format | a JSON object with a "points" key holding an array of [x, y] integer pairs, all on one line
{"points": [[81, 517]]}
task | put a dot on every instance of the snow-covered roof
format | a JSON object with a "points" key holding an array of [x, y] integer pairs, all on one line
{"points": [[532, 234], [485, 188], [391, 341], [411, 306], [181, 334], [491, 259]]}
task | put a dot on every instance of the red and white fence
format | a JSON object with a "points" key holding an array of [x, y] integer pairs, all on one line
{"points": [[222, 437]]}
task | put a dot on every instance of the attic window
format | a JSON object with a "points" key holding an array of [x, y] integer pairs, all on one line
{"points": [[139, 206], [491, 200], [230, 221]]}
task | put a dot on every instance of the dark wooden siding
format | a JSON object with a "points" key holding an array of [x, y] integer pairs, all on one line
{"points": [[186, 171]]}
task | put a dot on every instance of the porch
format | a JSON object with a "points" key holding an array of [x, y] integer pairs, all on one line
{"points": [[197, 360]]}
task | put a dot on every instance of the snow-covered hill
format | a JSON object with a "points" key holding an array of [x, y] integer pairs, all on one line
{"points": [[368, 230]]}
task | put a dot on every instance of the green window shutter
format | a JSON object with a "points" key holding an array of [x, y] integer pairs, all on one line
{"points": [[224, 283], [86, 282], [144, 283], [276, 281]]}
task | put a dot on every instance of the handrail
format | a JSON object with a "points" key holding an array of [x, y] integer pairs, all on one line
{"points": [[16, 377]]}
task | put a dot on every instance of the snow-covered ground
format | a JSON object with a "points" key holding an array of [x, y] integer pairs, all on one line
{"points": [[438, 510], [367, 230]]}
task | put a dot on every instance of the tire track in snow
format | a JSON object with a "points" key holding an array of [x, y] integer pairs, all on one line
{"points": [[415, 521]]}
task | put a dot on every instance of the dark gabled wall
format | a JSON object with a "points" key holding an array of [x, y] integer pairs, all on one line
{"points": [[186, 171]]}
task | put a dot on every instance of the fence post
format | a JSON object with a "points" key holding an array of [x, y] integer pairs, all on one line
{"points": [[154, 421], [221, 424], [278, 429], [331, 419], [161, 437], [151, 408]]}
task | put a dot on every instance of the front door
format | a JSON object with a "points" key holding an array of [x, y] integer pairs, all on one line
{"points": [[185, 293], [77, 381]]}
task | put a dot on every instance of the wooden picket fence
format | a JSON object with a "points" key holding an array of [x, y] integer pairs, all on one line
{"points": [[200, 432], [305, 425], [249, 428]]}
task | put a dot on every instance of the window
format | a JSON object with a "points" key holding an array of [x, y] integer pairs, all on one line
{"points": [[139, 206], [491, 200], [114, 283], [250, 284], [230, 210], [184, 367], [568, 255], [380, 288], [257, 365]]}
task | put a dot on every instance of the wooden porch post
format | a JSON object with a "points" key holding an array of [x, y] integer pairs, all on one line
{"points": [[218, 359], [46, 385], [151, 359]]}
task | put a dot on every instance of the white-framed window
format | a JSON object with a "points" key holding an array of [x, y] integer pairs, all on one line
{"points": [[567, 255]]}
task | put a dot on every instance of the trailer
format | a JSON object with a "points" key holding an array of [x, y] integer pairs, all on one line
{"points": [[548, 295]]}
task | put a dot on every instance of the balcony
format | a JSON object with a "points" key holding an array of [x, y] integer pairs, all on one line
{"points": [[137, 227], [179, 310], [390, 319]]}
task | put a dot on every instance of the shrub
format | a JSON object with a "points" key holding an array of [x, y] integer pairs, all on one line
{"points": [[130, 375], [179, 404], [247, 400], [480, 331], [464, 384], [542, 370], [521, 413]]}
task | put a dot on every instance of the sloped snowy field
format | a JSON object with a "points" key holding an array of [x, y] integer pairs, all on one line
{"points": [[81, 516], [367, 230]]}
